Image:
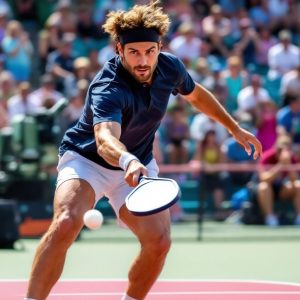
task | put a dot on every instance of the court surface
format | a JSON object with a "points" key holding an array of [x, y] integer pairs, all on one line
{"points": [[164, 289]]}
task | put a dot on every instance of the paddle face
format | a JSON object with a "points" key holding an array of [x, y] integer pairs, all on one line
{"points": [[152, 195]]}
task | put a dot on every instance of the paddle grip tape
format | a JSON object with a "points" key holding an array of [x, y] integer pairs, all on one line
{"points": [[125, 159]]}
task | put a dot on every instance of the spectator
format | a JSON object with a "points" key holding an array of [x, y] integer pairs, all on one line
{"points": [[290, 84], [21, 103], [236, 78], [48, 41], [81, 71], [260, 14], [61, 62], [64, 17], [265, 122], [284, 56], [244, 46], [3, 25], [276, 183], [216, 28], [18, 50], [263, 42], [177, 134], [251, 96], [209, 153], [288, 121], [233, 153], [186, 45], [201, 124], [46, 95]]}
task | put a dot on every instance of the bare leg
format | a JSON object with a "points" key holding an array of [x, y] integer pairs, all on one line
{"points": [[153, 233], [265, 198], [297, 197], [72, 199]]}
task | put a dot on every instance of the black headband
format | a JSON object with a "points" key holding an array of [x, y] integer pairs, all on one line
{"points": [[139, 34]]}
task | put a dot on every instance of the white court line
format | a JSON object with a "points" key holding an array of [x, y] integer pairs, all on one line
{"points": [[184, 293], [167, 280]]}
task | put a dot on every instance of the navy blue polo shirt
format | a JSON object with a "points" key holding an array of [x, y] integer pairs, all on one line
{"points": [[114, 95]]}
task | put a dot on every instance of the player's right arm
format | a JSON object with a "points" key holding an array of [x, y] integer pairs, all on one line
{"points": [[109, 147]]}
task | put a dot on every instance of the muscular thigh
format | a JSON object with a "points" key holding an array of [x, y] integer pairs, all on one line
{"points": [[147, 227], [75, 197]]}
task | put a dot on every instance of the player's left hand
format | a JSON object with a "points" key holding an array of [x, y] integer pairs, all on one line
{"points": [[246, 139]]}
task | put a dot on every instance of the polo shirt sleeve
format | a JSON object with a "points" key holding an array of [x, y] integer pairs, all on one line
{"points": [[106, 101], [185, 84]]}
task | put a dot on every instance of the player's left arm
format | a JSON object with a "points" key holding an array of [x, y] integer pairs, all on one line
{"points": [[206, 102]]}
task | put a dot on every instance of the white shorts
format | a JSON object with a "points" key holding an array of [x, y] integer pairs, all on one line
{"points": [[105, 182]]}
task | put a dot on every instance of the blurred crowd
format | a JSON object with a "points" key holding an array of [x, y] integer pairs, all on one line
{"points": [[246, 52]]}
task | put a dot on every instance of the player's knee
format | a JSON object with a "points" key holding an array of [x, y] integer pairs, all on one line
{"points": [[158, 245], [66, 227]]}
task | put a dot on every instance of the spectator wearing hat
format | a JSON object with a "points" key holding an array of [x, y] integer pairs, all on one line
{"points": [[284, 56], [275, 183], [186, 45], [81, 67]]}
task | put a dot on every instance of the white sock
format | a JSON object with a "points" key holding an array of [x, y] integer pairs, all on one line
{"points": [[126, 297], [29, 299]]}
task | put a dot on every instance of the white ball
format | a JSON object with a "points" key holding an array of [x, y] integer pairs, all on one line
{"points": [[93, 219]]}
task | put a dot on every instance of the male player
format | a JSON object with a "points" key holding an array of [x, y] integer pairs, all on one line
{"points": [[113, 140]]}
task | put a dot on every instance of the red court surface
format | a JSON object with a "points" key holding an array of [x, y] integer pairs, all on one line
{"points": [[165, 289]]}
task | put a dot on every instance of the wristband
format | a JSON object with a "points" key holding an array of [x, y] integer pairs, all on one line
{"points": [[125, 159]]}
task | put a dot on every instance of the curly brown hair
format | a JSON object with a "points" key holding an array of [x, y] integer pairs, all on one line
{"points": [[147, 16]]}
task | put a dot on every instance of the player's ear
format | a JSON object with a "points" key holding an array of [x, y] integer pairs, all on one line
{"points": [[160, 46], [120, 49]]}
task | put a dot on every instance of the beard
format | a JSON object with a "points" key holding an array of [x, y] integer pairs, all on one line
{"points": [[142, 74]]}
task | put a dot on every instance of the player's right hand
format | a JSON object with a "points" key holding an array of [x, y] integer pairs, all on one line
{"points": [[134, 171]]}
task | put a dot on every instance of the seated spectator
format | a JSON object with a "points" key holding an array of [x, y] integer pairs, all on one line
{"points": [[283, 57], [201, 124], [216, 28], [209, 153], [244, 46], [233, 152], [60, 63], [46, 95], [21, 103], [290, 84], [236, 78], [186, 45], [288, 121], [17, 50], [263, 42], [81, 71], [266, 124], [64, 17], [276, 183], [251, 96], [177, 134]]}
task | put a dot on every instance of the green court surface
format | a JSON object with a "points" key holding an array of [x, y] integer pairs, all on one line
{"points": [[226, 251]]}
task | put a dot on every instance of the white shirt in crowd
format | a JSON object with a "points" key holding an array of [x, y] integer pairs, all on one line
{"points": [[281, 60], [201, 124], [247, 100]]}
